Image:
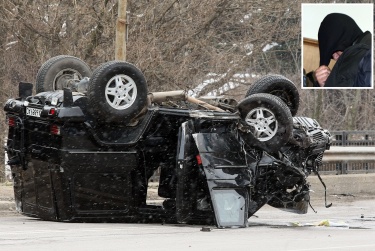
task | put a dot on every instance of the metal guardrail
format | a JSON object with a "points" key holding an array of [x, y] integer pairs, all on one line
{"points": [[349, 159], [351, 152], [347, 168]]}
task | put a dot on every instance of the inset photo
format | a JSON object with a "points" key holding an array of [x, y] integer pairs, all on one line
{"points": [[337, 46]]}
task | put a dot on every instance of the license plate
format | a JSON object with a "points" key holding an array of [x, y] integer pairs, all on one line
{"points": [[33, 112]]}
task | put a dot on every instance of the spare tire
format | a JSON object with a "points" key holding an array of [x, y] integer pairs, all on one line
{"points": [[279, 86], [117, 92], [267, 121], [61, 72]]}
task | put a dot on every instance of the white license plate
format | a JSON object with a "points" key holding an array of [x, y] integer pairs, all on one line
{"points": [[33, 112]]}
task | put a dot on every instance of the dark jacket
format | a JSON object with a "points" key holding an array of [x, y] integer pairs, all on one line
{"points": [[364, 71], [353, 68]]}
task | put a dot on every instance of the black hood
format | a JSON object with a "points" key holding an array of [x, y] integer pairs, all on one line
{"points": [[336, 33]]}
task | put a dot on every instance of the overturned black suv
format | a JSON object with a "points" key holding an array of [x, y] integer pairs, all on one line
{"points": [[85, 146]]}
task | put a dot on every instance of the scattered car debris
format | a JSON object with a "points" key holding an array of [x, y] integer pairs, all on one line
{"points": [[329, 223], [206, 229]]}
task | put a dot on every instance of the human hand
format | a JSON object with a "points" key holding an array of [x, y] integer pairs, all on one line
{"points": [[321, 74]]}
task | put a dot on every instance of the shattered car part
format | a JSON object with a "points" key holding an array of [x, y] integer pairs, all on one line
{"points": [[215, 166]]}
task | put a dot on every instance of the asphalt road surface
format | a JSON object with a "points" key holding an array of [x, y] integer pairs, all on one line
{"points": [[348, 225]]}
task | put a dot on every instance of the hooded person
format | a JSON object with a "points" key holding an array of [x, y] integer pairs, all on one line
{"points": [[341, 39]]}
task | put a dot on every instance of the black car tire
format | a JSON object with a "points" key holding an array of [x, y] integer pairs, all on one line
{"points": [[267, 121], [56, 72], [279, 86], [117, 92]]}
